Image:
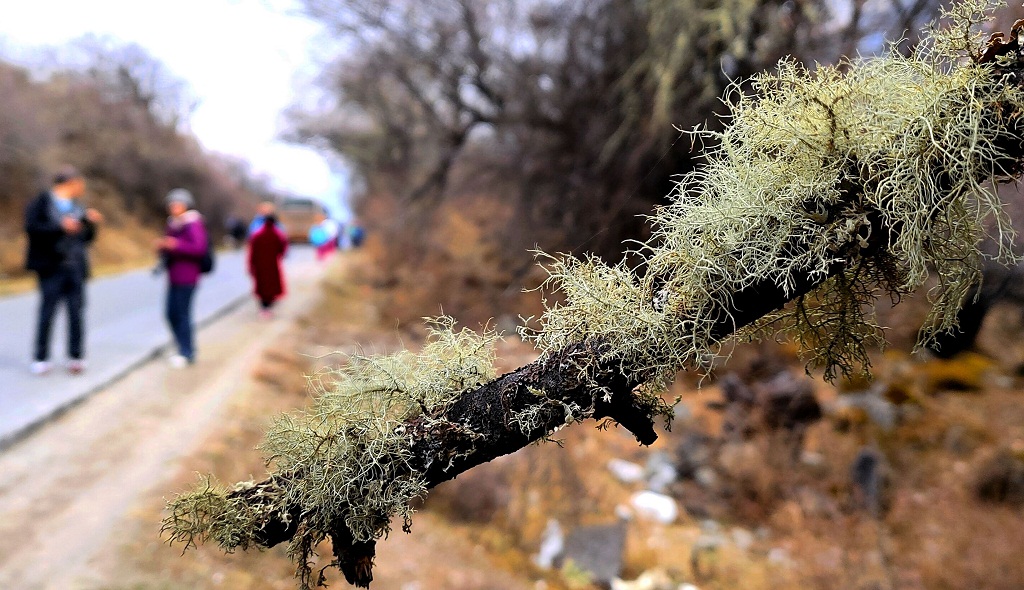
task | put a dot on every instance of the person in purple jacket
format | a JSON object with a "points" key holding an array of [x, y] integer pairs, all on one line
{"points": [[182, 248]]}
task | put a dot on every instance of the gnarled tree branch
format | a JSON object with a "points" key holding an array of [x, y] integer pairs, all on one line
{"points": [[589, 380]]}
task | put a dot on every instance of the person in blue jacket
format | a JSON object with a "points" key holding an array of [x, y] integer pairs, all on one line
{"points": [[264, 210]]}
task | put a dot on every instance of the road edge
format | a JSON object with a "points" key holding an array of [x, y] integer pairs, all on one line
{"points": [[10, 439]]}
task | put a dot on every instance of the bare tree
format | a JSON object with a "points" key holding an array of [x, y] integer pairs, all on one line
{"points": [[130, 74]]}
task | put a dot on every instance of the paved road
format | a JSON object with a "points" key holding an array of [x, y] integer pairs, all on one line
{"points": [[124, 328]]}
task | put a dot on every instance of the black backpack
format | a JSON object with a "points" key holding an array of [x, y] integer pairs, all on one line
{"points": [[207, 262]]}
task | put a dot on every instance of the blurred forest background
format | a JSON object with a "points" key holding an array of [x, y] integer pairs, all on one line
{"points": [[509, 125], [122, 118]]}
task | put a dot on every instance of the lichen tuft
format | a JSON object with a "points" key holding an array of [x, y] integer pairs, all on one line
{"points": [[810, 163], [345, 459]]}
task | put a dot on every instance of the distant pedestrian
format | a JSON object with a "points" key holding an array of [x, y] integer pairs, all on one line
{"points": [[183, 247], [236, 231], [324, 236], [266, 249], [263, 210], [356, 235], [60, 231]]}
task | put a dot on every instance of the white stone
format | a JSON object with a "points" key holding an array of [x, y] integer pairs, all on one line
{"points": [[709, 525], [655, 506], [779, 556], [742, 538], [626, 471], [812, 459], [552, 545], [661, 473], [623, 512], [711, 542], [706, 477]]}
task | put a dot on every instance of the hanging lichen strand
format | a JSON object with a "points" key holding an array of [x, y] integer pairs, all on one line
{"points": [[344, 460], [878, 167], [828, 188]]}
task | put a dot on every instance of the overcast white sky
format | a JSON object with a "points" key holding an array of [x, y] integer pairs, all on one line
{"points": [[244, 59]]}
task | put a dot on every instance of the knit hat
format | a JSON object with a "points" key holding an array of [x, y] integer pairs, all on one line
{"points": [[180, 195]]}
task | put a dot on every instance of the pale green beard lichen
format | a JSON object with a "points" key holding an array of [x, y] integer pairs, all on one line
{"points": [[779, 177], [207, 514], [351, 446], [346, 456]]}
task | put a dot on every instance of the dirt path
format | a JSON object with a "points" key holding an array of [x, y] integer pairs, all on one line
{"points": [[66, 491], [81, 499]]}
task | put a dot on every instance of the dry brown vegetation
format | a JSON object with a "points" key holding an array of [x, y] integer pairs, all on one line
{"points": [[938, 532], [448, 263]]}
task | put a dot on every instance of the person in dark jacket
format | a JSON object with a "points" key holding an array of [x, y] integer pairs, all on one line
{"points": [[236, 230], [182, 249], [60, 231], [266, 249]]}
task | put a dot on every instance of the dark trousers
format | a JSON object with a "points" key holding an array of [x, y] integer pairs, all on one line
{"points": [[67, 285], [179, 316]]}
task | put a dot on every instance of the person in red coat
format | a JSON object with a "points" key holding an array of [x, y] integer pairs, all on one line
{"points": [[266, 249]]}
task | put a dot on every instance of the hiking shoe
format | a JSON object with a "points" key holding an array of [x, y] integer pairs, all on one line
{"points": [[40, 368], [76, 366], [178, 362]]}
